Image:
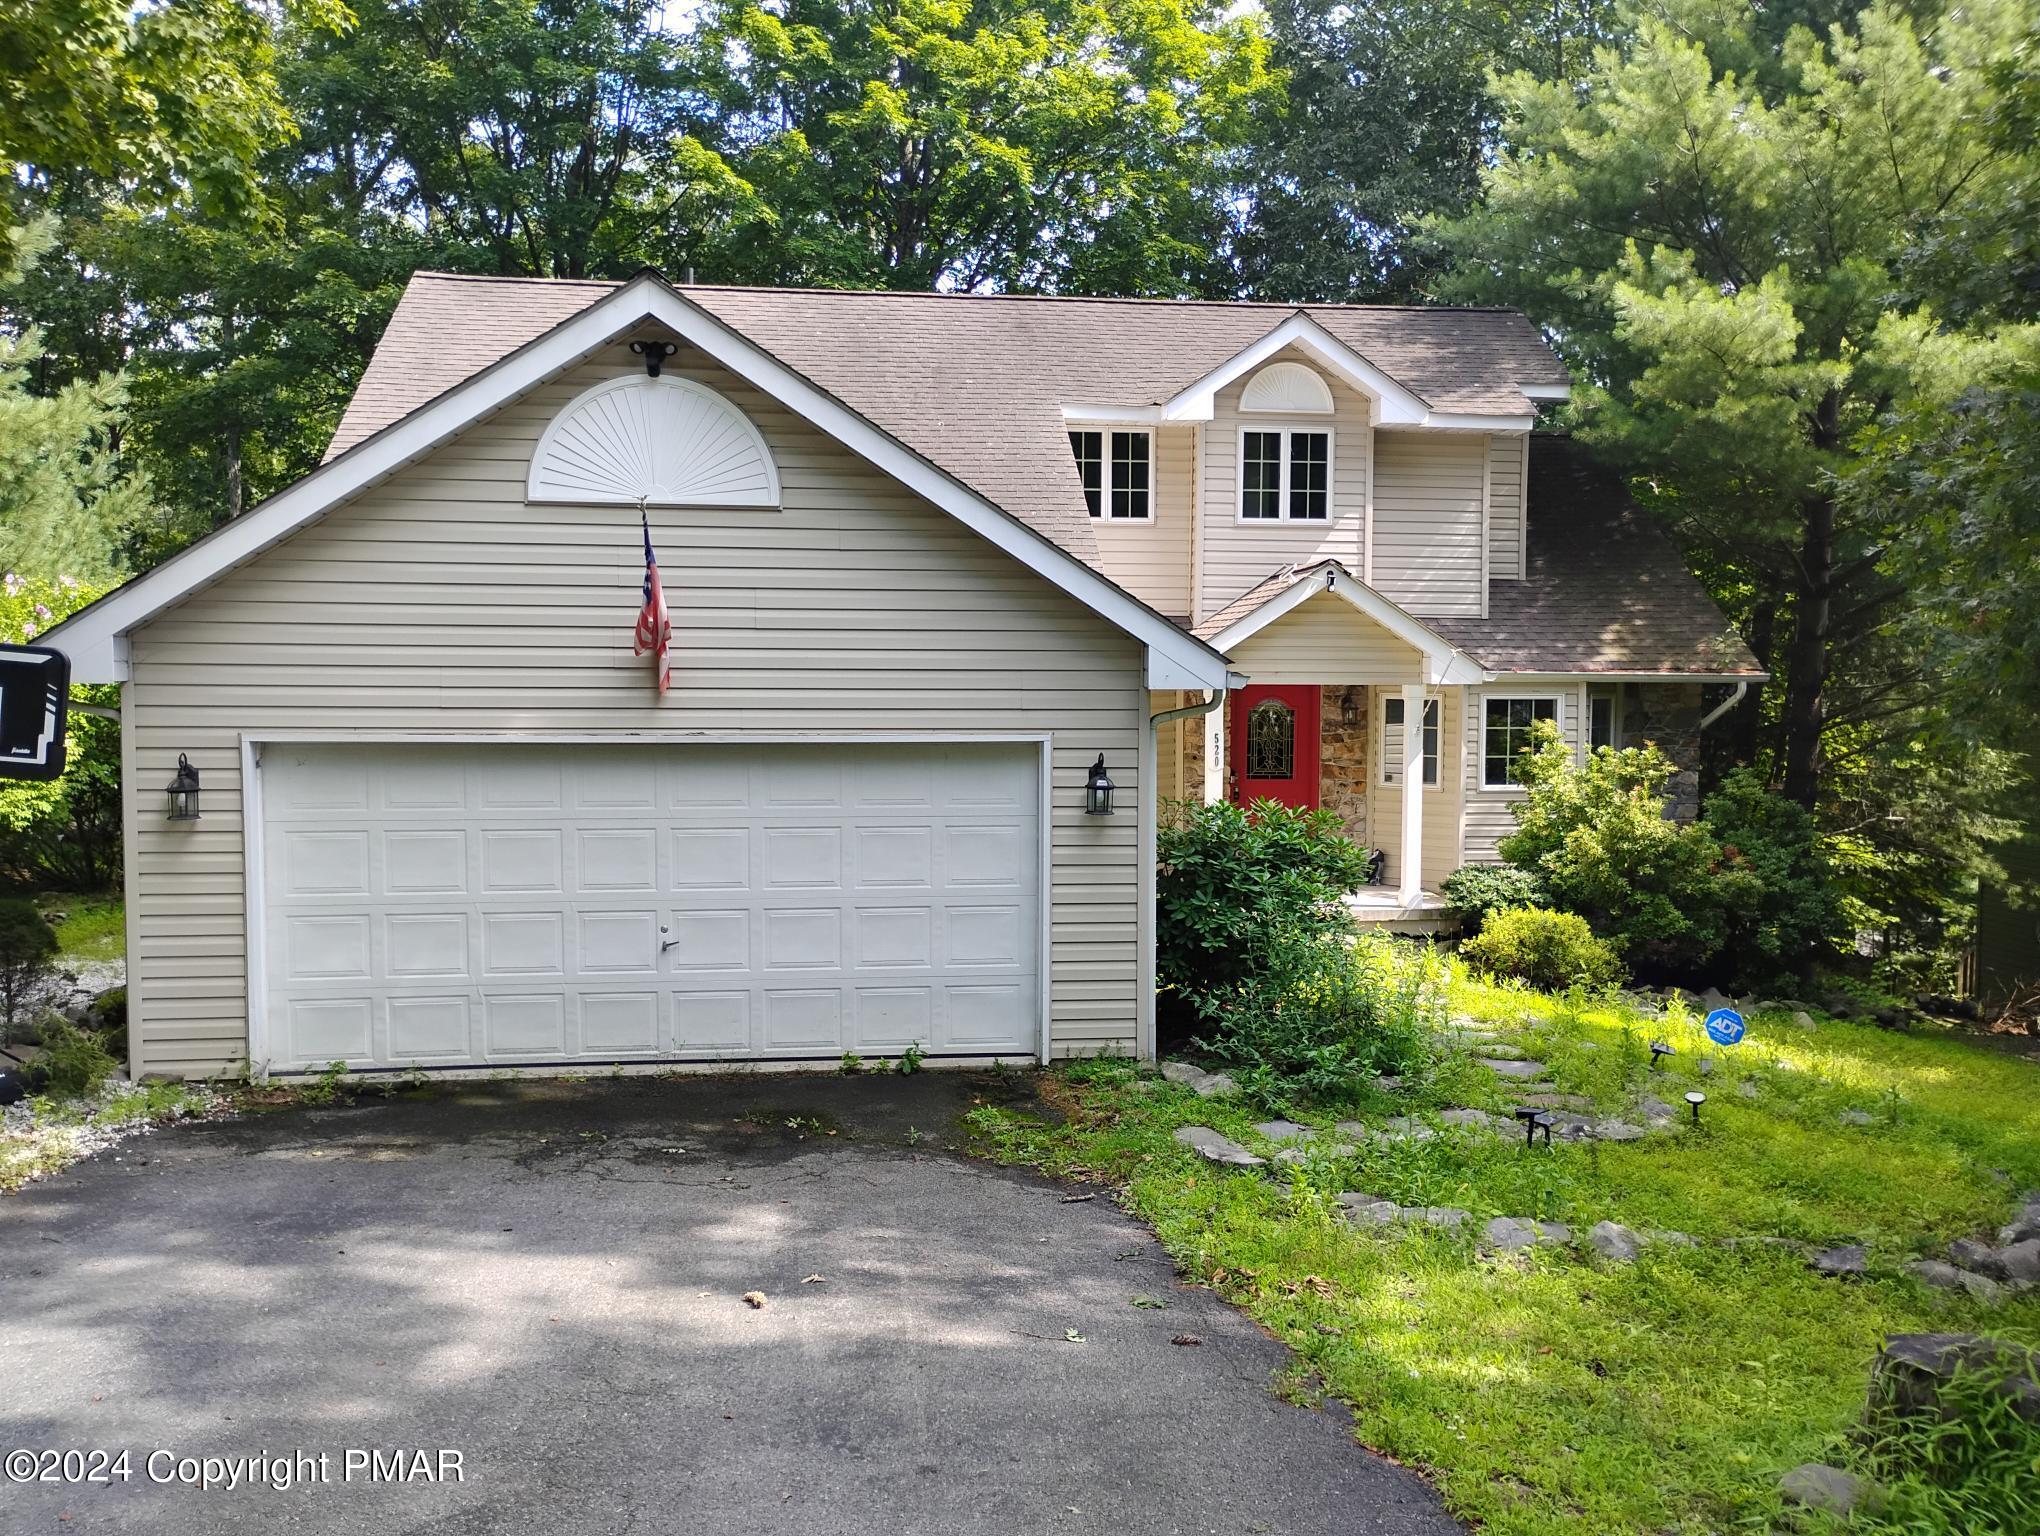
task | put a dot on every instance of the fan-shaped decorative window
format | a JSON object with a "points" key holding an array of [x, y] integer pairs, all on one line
{"points": [[1287, 387], [671, 441], [1271, 741]]}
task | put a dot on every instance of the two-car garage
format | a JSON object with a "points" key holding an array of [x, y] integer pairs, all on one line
{"points": [[489, 903]]}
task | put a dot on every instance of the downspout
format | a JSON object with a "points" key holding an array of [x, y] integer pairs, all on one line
{"points": [[1741, 691], [1150, 799]]}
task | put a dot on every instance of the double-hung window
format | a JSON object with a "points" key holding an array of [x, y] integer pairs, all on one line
{"points": [[1392, 715], [1117, 469], [1285, 474], [1505, 727]]}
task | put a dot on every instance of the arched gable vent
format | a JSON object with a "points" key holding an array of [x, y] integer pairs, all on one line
{"points": [[1287, 387], [673, 442]]}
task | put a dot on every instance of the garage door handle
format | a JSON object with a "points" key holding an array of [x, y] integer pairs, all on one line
{"points": [[665, 943]]}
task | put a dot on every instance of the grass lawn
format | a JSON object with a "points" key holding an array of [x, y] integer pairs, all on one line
{"points": [[93, 928], [1550, 1393]]}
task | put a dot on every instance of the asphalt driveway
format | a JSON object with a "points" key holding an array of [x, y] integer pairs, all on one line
{"points": [[548, 1279]]}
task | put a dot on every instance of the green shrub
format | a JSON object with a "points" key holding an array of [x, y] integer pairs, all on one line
{"points": [[1780, 915], [1476, 890], [28, 946], [1971, 1464], [1238, 889], [73, 1060], [1595, 834], [1550, 950], [1324, 1012]]}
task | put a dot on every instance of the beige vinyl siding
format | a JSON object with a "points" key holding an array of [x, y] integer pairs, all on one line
{"points": [[439, 602], [1325, 640], [1152, 559], [1441, 805], [1505, 505], [1428, 489], [1488, 819], [1236, 556]]}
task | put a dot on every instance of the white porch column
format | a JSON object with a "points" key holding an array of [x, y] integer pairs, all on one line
{"points": [[1411, 864], [1212, 789]]}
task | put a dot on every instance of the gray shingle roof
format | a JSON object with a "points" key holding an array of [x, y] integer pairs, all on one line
{"points": [[977, 384]]}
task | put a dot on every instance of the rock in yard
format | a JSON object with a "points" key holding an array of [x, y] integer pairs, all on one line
{"points": [[1284, 1130], [1857, 1117], [1614, 1242], [1367, 1210], [1968, 1253], [2023, 1226], [1213, 1147], [1480, 1119], [1912, 1368], [1805, 1021], [1656, 1110], [1497, 1050], [1181, 1072], [1404, 1128], [1514, 1067], [1616, 1130], [1450, 1217], [1710, 1000], [1511, 1234], [1849, 1262], [1829, 1490], [1946, 1277], [1206, 1085], [1292, 1153], [1747, 1088], [1578, 1101], [2020, 1262]]}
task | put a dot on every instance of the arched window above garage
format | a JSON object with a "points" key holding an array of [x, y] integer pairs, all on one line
{"points": [[671, 442]]}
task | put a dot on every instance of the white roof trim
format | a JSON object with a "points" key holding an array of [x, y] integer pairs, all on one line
{"points": [[1546, 391], [1394, 405], [95, 638], [1444, 663]]}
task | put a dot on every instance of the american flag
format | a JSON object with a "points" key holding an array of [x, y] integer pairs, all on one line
{"points": [[654, 628]]}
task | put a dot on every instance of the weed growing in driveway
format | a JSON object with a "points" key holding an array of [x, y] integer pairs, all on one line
{"points": [[1548, 1393], [48, 1132]]}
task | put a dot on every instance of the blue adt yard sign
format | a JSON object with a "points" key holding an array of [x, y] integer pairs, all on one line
{"points": [[1724, 1026]]}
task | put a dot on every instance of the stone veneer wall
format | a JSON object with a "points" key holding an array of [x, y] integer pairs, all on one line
{"points": [[1669, 715], [1342, 766]]}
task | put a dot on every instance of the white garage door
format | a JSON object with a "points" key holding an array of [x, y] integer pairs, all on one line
{"points": [[499, 905]]}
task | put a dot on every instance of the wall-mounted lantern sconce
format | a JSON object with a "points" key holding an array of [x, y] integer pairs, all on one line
{"points": [[655, 354], [184, 791], [1098, 790]]}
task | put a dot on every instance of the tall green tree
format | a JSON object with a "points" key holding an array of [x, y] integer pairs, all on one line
{"points": [[1076, 146], [1388, 117], [1716, 229], [173, 101]]}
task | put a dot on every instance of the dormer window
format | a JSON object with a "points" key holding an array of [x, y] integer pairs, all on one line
{"points": [[1117, 469], [1285, 474]]}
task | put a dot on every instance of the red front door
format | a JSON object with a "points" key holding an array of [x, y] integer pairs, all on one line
{"points": [[1274, 741]]}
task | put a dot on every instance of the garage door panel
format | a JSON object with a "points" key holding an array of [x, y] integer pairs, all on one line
{"points": [[617, 859], [427, 945], [523, 944], [805, 1021], [422, 863], [711, 859], [479, 904], [523, 1025], [424, 1028]]}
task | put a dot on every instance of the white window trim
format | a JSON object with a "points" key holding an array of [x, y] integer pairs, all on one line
{"points": [[1384, 697], [1595, 693], [1480, 760], [1106, 431], [1286, 428]]}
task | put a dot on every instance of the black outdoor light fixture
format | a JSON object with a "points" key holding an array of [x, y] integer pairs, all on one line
{"points": [[655, 354], [1696, 1099], [184, 791], [1658, 1052], [1098, 790]]}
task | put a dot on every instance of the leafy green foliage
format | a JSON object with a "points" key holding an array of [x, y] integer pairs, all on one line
{"points": [[1477, 891], [1971, 1465], [62, 833], [28, 945], [1238, 888], [1550, 950], [73, 1060], [1779, 912], [1597, 839]]}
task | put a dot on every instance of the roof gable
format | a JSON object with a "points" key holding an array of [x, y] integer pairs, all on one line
{"points": [[94, 638]]}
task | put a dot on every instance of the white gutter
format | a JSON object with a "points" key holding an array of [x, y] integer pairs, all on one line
{"points": [[1741, 691]]}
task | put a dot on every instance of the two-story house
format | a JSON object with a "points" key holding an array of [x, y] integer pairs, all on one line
{"points": [[960, 590]]}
